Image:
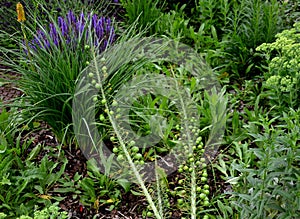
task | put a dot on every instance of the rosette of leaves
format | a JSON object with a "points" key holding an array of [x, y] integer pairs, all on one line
{"points": [[283, 76]]}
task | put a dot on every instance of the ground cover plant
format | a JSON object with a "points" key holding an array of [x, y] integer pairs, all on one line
{"points": [[150, 109]]}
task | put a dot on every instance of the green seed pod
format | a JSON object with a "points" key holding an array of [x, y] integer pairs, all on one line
{"points": [[103, 101], [115, 150], [120, 157], [206, 186], [203, 179], [202, 195], [104, 69], [114, 103], [97, 86], [101, 117], [205, 191], [206, 203], [138, 156], [135, 149], [149, 214]]}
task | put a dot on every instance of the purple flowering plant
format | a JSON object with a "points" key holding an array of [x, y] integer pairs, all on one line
{"points": [[73, 31], [60, 51]]}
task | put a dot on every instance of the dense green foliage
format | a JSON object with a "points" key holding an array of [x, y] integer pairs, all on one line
{"points": [[249, 47]]}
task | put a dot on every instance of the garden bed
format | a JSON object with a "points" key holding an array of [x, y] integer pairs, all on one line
{"points": [[150, 109]]}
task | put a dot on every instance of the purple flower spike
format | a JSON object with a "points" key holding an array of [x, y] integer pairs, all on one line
{"points": [[63, 26], [80, 24], [94, 20], [53, 34], [99, 30], [71, 18]]}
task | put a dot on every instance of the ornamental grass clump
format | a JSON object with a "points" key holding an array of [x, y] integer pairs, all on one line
{"points": [[50, 59]]}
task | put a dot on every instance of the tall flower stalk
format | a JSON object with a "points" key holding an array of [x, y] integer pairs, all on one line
{"points": [[21, 20]]}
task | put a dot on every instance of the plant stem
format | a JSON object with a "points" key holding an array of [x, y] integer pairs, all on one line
{"points": [[127, 155]]}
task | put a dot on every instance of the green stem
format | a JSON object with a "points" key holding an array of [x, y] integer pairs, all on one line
{"points": [[123, 146], [27, 45]]}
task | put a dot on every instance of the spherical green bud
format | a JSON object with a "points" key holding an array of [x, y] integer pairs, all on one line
{"points": [[149, 214], [206, 203], [97, 86], [202, 195], [206, 186], [138, 156], [114, 103], [203, 179], [135, 149], [101, 117], [120, 157], [205, 191], [104, 68]]}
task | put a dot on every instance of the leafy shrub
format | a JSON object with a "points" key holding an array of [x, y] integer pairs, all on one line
{"points": [[144, 13], [269, 185], [283, 76], [239, 26]]}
